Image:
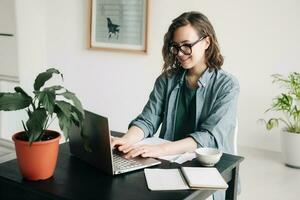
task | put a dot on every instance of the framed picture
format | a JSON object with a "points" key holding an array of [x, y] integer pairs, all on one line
{"points": [[118, 25]]}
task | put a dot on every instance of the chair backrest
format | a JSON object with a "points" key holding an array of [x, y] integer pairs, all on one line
{"points": [[235, 137]]}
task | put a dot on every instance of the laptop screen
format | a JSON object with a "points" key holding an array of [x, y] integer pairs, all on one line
{"points": [[97, 129]]}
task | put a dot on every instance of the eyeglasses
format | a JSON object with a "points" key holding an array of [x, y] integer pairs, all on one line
{"points": [[186, 49]]}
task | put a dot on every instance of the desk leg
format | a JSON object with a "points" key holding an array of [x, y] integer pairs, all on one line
{"points": [[231, 192]]}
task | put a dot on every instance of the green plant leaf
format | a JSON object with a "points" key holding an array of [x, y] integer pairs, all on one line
{"points": [[288, 103], [14, 101], [43, 77], [76, 116], [25, 129], [36, 123], [28, 112], [55, 87], [21, 91], [71, 96], [78, 113], [67, 115], [64, 123], [47, 99], [272, 123], [75, 119], [278, 78], [65, 107]]}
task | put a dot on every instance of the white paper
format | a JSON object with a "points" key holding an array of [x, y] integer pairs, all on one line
{"points": [[178, 158], [185, 157], [152, 140], [164, 179]]}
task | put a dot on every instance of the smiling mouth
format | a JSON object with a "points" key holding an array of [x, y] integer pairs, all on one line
{"points": [[183, 61]]}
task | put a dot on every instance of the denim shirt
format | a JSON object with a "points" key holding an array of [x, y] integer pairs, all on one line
{"points": [[216, 104]]}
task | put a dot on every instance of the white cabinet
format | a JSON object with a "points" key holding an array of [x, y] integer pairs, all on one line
{"points": [[7, 16], [8, 65], [8, 42]]}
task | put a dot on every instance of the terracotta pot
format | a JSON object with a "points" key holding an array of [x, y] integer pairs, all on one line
{"points": [[38, 161]]}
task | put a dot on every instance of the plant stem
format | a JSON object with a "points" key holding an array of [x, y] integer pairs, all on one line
{"points": [[33, 103], [44, 129], [51, 121], [46, 122]]}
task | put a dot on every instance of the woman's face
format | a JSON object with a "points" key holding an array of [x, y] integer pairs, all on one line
{"points": [[188, 35]]}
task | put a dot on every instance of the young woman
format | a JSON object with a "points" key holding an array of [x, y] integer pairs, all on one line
{"points": [[193, 98]]}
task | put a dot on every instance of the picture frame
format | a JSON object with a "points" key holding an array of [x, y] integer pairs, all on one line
{"points": [[118, 25]]}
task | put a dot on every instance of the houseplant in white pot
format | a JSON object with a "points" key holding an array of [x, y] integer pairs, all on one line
{"points": [[288, 105], [36, 146]]}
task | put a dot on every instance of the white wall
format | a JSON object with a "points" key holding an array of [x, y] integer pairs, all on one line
{"points": [[257, 39]]}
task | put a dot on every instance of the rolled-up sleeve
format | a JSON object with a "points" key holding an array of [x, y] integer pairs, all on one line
{"points": [[217, 129], [204, 139], [152, 114]]}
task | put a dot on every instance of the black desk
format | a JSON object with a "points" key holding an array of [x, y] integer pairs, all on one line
{"points": [[74, 179]]}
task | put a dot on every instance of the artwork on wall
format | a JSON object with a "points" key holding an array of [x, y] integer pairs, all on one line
{"points": [[118, 25]]}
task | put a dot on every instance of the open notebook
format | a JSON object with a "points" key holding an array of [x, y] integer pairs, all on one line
{"points": [[184, 178]]}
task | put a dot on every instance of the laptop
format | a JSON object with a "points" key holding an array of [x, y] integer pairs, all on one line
{"points": [[101, 154]]}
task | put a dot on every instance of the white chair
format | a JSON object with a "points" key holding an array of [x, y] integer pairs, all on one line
{"points": [[235, 137], [234, 147]]}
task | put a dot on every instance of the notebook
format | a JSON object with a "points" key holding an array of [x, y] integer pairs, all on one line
{"points": [[184, 178]]}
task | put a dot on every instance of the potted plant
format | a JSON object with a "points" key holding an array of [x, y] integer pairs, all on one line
{"points": [[36, 146], [288, 104]]}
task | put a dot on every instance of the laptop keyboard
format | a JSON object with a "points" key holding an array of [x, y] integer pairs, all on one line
{"points": [[122, 163]]}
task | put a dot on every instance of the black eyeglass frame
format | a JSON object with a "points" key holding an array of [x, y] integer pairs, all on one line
{"points": [[179, 47]]}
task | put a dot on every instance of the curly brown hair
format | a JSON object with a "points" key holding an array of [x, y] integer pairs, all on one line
{"points": [[213, 57]]}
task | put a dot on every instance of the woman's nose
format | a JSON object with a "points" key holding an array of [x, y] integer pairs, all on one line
{"points": [[180, 54]]}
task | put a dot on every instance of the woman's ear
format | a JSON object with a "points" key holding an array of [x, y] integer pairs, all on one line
{"points": [[207, 42]]}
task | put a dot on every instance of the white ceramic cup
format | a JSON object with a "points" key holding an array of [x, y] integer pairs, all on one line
{"points": [[208, 156]]}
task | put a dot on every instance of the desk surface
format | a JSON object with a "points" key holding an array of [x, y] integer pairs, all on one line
{"points": [[74, 179]]}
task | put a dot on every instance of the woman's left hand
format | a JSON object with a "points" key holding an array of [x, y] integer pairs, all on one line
{"points": [[146, 151]]}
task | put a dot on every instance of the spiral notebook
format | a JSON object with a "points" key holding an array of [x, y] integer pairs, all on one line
{"points": [[185, 178]]}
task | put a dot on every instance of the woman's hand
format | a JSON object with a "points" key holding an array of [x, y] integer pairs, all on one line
{"points": [[170, 148], [133, 135], [126, 145], [122, 144], [145, 151]]}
